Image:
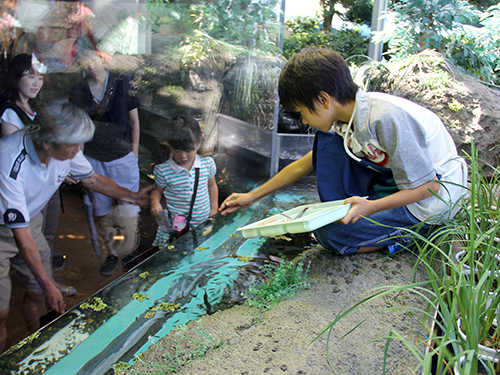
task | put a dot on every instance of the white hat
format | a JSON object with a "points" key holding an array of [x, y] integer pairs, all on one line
{"points": [[37, 65]]}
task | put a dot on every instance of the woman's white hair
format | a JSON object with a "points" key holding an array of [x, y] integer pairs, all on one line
{"points": [[62, 122]]}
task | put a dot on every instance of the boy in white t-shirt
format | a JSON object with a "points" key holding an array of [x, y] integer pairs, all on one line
{"points": [[384, 155]]}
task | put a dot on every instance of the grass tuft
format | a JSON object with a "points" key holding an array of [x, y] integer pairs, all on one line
{"points": [[280, 282], [188, 347]]}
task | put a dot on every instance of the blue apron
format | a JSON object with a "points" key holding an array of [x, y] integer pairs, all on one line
{"points": [[340, 177]]}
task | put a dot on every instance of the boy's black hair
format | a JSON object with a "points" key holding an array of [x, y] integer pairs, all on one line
{"points": [[185, 134], [311, 71]]}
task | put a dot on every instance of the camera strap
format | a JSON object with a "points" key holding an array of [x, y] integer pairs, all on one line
{"points": [[195, 189]]}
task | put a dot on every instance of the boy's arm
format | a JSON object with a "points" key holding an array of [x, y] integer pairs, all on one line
{"points": [[213, 192], [288, 175], [362, 207]]}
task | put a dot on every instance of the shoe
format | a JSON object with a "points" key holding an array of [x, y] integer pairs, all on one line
{"points": [[67, 290], [109, 265], [396, 248], [129, 261], [409, 244], [59, 261]]}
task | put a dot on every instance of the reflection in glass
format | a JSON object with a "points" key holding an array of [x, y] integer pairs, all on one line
{"points": [[216, 61]]}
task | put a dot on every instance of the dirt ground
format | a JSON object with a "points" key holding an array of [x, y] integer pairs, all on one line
{"points": [[249, 341]]}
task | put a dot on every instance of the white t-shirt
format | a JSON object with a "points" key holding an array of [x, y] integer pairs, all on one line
{"points": [[414, 143], [10, 116], [26, 184]]}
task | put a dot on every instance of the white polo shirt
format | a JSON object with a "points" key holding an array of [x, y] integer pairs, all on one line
{"points": [[26, 184]]}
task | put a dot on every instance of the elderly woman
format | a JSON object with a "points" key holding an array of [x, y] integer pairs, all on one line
{"points": [[42, 156]]}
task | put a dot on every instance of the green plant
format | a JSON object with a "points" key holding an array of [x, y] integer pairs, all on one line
{"points": [[305, 33], [253, 82], [360, 11], [427, 69], [455, 106], [248, 24], [177, 93], [187, 347], [280, 282], [450, 292], [454, 28]]}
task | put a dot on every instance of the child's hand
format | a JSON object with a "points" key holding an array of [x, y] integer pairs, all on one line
{"points": [[155, 210], [360, 207], [234, 202]]}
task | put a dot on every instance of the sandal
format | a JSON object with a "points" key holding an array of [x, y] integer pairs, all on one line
{"points": [[67, 290], [109, 266]]}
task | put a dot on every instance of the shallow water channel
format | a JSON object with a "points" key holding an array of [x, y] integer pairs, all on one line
{"points": [[202, 272]]}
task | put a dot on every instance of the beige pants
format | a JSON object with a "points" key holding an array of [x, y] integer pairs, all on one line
{"points": [[10, 256]]}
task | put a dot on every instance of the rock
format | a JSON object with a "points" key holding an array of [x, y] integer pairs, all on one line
{"points": [[469, 109]]}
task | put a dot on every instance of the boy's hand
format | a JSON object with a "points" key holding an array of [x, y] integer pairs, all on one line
{"points": [[234, 202], [360, 207]]}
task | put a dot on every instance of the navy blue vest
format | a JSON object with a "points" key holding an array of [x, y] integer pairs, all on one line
{"points": [[340, 177]]}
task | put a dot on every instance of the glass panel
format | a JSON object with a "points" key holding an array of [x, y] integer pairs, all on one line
{"points": [[216, 61]]}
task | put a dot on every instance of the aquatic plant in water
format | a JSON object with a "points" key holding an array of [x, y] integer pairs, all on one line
{"points": [[201, 248], [94, 303], [21, 343], [169, 306], [140, 297]]}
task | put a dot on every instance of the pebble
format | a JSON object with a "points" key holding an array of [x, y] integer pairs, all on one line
{"points": [[348, 279]]}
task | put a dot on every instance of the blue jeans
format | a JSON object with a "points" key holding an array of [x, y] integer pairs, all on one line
{"points": [[347, 239]]}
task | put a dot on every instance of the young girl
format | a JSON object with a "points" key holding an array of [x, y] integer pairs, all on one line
{"points": [[176, 178], [17, 107]]}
